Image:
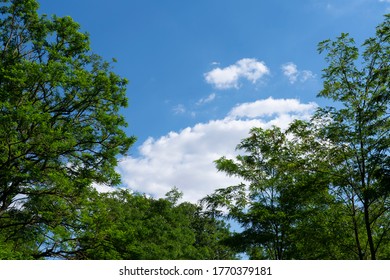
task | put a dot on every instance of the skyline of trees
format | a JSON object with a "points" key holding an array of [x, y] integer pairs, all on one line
{"points": [[318, 190]]}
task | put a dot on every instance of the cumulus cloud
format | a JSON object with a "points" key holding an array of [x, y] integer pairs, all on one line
{"points": [[269, 107], [229, 77], [185, 159], [290, 70]]}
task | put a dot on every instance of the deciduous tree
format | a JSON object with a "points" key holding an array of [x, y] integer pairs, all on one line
{"points": [[359, 83], [279, 206], [122, 225], [60, 127]]}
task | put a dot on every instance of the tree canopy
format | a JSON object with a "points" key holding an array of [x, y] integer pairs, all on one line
{"points": [[61, 132], [122, 225], [60, 127], [361, 131]]}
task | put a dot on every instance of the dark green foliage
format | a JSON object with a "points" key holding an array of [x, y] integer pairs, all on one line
{"points": [[283, 205], [121, 225], [360, 130]]}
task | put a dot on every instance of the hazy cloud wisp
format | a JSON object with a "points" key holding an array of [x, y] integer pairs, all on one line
{"points": [[290, 70]]}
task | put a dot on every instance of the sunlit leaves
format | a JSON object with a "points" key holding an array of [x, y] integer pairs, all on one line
{"points": [[60, 127]]}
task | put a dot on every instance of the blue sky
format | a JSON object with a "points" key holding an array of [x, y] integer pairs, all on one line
{"points": [[203, 72]]}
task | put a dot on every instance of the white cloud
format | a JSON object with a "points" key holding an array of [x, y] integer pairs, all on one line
{"points": [[228, 77], [269, 107], [103, 188], [290, 70], [185, 159], [207, 99]]}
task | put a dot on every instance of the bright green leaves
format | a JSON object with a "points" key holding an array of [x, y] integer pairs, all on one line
{"points": [[121, 225], [60, 127], [63, 101]]}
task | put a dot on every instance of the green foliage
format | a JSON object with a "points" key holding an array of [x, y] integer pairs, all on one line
{"points": [[360, 130], [122, 225], [61, 131], [280, 208], [60, 127], [319, 190]]}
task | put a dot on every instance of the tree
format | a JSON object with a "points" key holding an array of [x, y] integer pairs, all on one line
{"points": [[60, 127], [122, 225], [281, 209], [360, 128]]}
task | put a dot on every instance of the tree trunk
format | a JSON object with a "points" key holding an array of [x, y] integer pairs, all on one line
{"points": [[356, 231], [368, 230]]}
